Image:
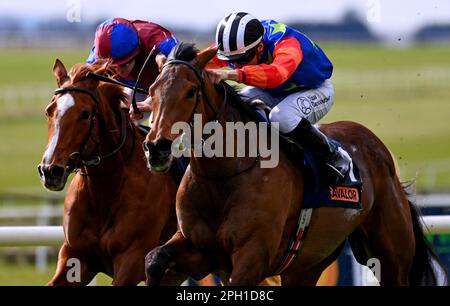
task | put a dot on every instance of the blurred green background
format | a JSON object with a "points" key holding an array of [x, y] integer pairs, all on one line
{"points": [[402, 94]]}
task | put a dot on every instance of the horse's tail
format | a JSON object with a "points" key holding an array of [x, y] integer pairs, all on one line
{"points": [[427, 270]]}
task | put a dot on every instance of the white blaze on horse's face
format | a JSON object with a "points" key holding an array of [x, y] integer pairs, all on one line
{"points": [[64, 102]]}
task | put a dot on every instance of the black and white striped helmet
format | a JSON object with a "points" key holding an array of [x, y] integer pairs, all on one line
{"points": [[236, 34]]}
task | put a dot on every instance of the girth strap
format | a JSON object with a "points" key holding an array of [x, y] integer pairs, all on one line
{"points": [[296, 241]]}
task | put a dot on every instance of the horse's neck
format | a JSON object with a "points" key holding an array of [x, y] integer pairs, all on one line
{"points": [[221, 166]]}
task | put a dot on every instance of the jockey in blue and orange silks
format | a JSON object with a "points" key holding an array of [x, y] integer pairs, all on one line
{"points": [[127, 43], [287, 71]]}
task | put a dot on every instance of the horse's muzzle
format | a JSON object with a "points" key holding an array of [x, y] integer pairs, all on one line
{"points": [[159, 154], [53, 177]]}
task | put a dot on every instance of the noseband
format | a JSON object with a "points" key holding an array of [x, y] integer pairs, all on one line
{"points": [[96, 159]]}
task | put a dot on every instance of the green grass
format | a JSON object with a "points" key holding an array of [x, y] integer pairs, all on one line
{"points": [[22, 140], [34, 65], [26, 274], [401, 94]]}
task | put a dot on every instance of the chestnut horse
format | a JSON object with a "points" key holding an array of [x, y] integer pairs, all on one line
{"points": [[238, 217], [115, 210]]}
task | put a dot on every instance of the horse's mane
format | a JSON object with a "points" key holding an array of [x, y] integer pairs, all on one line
{"points": [[112, 92], [184, 51], [102, 66]]}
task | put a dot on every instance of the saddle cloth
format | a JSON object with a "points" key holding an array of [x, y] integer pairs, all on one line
{"points": [[319, 193]]}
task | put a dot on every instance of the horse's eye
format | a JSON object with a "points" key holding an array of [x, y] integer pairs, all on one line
{"points": [[191, 93], [85, 115]]}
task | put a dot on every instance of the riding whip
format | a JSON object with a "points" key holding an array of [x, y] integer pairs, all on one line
{"points": [[133, 100], [103, 78]]}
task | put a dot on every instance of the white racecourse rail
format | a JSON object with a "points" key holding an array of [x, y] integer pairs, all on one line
{"points": [[31, 236], [54, 235]]}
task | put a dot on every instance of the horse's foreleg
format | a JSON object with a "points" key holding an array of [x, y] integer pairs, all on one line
{"points": [[178, 253], [156, 263], [128, 268], [250, 263], [172, 278], [72, 269]]}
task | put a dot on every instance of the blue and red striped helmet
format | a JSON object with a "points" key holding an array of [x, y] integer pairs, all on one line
{"points": [[117, 39]]}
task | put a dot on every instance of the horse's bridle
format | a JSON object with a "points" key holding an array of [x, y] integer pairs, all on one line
{"points": [[200, 90], [96, 159]]}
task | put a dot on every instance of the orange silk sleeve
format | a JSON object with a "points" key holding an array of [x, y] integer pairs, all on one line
{"points": [[216, 63], [287, 56]]}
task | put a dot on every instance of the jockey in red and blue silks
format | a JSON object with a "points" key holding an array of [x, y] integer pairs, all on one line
{"points": [[287, 71], [127, 43]]}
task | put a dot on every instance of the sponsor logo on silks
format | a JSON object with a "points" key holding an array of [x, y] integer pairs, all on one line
{"points": [[278, 28], [348, 194], [293, 86]]}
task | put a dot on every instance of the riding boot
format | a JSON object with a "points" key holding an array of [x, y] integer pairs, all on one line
{"points": [[308, 136]]}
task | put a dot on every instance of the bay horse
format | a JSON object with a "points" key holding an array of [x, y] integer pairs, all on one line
{"points": [[115, 210], [238, 217]]}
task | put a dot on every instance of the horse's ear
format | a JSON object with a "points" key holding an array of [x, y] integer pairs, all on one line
{"points": [[204, 57], [60, 72], [161, 59]]}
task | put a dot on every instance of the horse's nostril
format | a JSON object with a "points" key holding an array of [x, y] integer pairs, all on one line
{"points": [[41, 173], [57, 171], [145, 145], [149, 147], [164, 145]]}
